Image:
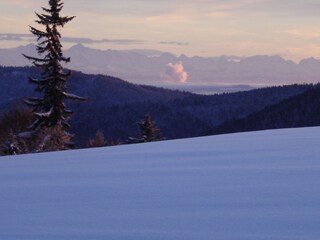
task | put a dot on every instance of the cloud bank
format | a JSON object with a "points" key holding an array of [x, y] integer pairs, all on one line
{"points": [[31, 38], [175, 43], [176, 72]]}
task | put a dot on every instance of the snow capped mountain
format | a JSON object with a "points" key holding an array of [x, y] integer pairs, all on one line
{"points": [[249, 186], [13, 56], [149, 66]]}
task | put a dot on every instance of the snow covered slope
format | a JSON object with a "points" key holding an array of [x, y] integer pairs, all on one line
{"points": [[249, 186]]}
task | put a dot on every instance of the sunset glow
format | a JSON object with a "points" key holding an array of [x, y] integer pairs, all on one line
{"points": [[289, 28]]}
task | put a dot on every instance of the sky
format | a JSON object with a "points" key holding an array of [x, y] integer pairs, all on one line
{"points": [[290, 28]]}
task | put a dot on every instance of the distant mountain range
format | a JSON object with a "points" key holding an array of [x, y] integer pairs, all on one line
{"points": [[115, 106], [151, 67]]}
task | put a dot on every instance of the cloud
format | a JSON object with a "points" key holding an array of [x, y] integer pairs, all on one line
{"points": [[30, 38], [304, 33], [176, 72], [175, 43], [112, 41], [16, 37]]}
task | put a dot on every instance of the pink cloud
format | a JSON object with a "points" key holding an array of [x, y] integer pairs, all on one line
{"points": [[176, 72]]}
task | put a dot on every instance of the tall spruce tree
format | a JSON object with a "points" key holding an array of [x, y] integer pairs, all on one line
{"points": [[50, 109]]}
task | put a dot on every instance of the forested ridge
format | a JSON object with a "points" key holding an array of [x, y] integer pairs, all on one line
{"points": [[116, 106]]}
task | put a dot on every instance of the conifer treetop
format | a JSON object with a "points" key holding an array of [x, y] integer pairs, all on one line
{"points": [[53, 15]]}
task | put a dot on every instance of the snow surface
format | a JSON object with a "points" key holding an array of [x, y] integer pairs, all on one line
{"points": [[259, 186]]}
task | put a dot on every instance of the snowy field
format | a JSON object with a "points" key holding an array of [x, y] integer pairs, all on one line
{"points": [[249, 186]]}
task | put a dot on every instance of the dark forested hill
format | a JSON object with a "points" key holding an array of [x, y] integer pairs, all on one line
{"points": [[302, 110], [180, 118], [104, 90], [115, 106]]}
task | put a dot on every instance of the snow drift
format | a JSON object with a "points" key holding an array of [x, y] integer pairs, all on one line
{"points": [[250, 186]]}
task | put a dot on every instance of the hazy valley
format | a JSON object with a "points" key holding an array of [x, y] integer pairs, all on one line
{"points": [[197, 74]]}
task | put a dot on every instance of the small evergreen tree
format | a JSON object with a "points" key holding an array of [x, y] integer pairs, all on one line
{"points": [[98, 141], [50, 110], [148, 130]]}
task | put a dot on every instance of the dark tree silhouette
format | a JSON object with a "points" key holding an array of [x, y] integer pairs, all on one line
{"points": [[148, 130], [50, 109]]}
